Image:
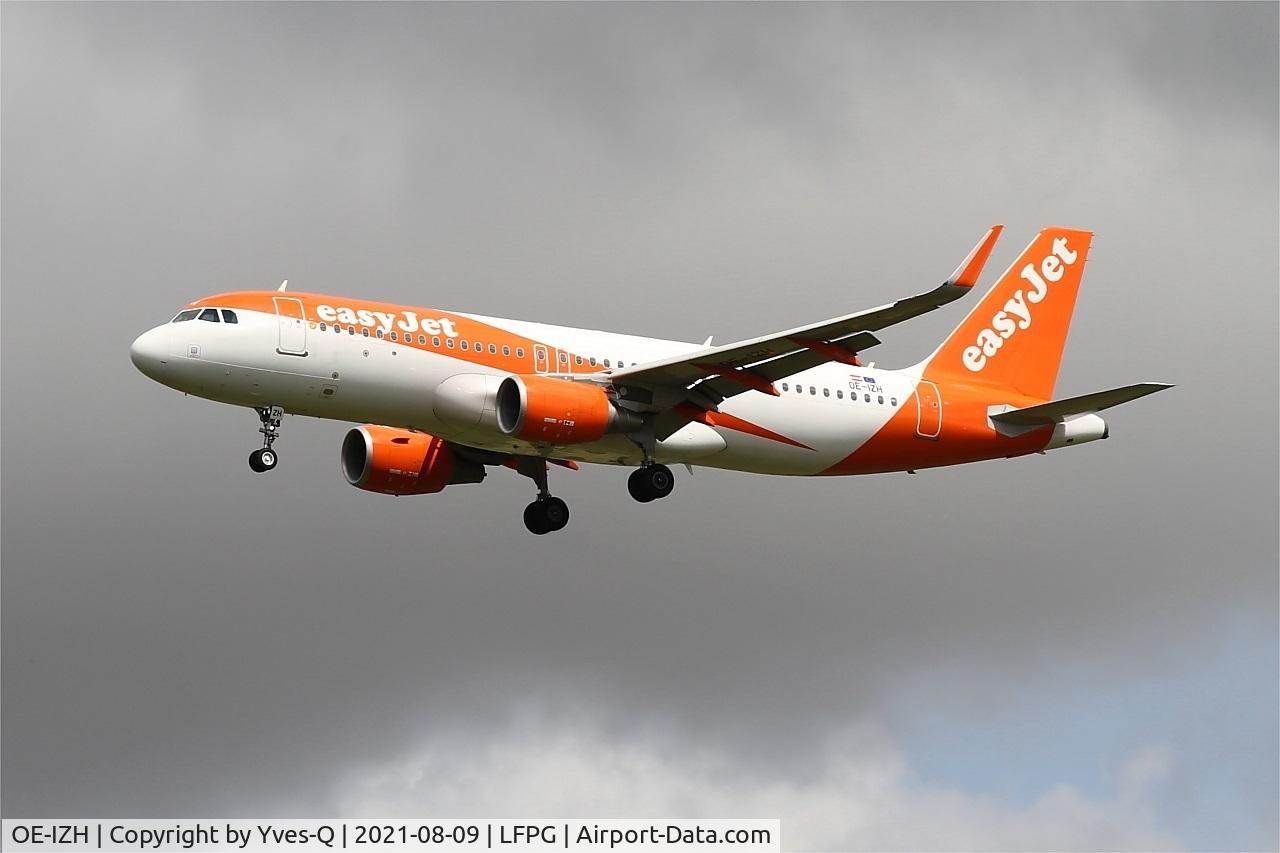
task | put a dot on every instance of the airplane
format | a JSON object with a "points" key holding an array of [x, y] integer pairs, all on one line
{"points": [[442, 396]]}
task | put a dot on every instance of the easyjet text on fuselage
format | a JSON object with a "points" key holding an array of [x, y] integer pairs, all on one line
{"points": [[404, 320]]}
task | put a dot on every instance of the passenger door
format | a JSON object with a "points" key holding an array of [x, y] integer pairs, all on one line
{"points": [[928, 410], [292, 320]]}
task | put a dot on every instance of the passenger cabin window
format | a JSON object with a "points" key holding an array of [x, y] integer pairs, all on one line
{"points": [[826, 392], [867, 397], [365, 332], [379, 333], [209, 314], [435, 342], [185, 316], [785, 387], [466, 345], [493, 349], [519, 352], [839, 394], [230, 317], [506, 350], [393, 336], [422, 340], [606, 362], [448, 342]]}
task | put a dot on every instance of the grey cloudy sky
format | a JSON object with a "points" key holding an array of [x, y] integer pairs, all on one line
{"points": [[1070, 651]]}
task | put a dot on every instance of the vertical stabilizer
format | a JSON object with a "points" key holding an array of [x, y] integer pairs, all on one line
{"points": [[1015, 336]]}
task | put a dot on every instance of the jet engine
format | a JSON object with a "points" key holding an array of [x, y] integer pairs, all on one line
{"points": [[557, 411], [403, 462]]}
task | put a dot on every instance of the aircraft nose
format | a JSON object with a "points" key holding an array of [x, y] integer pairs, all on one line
{"points": [[150, 351]]}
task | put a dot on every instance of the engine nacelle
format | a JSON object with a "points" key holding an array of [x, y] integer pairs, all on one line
{"points": [[558, 411], [468, 400], [403, 462]]}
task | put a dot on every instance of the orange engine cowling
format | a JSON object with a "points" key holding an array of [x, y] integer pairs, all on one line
{"points": [[557, 411], [403, 462]]}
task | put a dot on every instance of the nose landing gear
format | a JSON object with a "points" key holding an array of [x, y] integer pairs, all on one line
{"points": [[265, 458]]}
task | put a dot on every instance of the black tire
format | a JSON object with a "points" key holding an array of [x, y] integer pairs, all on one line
{"points": [[534, 519], [638, 487], [262, 460], [555, 513], [659, 480]]}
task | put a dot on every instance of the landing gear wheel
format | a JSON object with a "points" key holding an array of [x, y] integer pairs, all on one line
{"points": [[556, 513], [651, 483], [533, 519], [262, 459], [546, 515], [636, 486]]}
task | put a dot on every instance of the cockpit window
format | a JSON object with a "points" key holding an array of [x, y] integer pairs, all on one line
{"points": [[229, 316], [186, 315], [210, 314]]}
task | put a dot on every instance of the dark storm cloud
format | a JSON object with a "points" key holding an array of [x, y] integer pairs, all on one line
{"points": [[181, 636]]}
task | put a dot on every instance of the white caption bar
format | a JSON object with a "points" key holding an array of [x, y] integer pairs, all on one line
{"points": [[626, 836]]}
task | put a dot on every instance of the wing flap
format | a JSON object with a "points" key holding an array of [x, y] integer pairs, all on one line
{"points": [[787, 365]]}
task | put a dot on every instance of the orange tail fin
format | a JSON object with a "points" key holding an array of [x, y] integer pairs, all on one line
{"points": [[1014, 337]]}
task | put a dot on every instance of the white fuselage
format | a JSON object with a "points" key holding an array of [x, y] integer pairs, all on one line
{"points": [[821, 415]]}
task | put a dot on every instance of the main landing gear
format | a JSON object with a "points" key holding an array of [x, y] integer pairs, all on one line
{"points": [[547, 513], [264, 458], [651, 482]]}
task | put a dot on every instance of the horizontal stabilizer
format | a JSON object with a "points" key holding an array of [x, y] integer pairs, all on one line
{"points": [[1058, 410]]}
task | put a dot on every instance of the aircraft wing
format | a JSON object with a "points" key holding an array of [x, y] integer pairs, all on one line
{"points": [[719, 372]]}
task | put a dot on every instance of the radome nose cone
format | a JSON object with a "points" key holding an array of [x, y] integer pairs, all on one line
{"points": [[149, 352]]}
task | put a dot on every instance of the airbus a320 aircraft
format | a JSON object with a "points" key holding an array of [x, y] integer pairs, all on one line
{"points": [[444, 395]]}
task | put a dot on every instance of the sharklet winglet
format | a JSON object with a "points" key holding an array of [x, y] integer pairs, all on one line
{"points": [[966, 275]]}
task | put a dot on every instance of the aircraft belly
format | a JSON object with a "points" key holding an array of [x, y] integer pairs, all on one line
{"points": [[790, 436]]}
